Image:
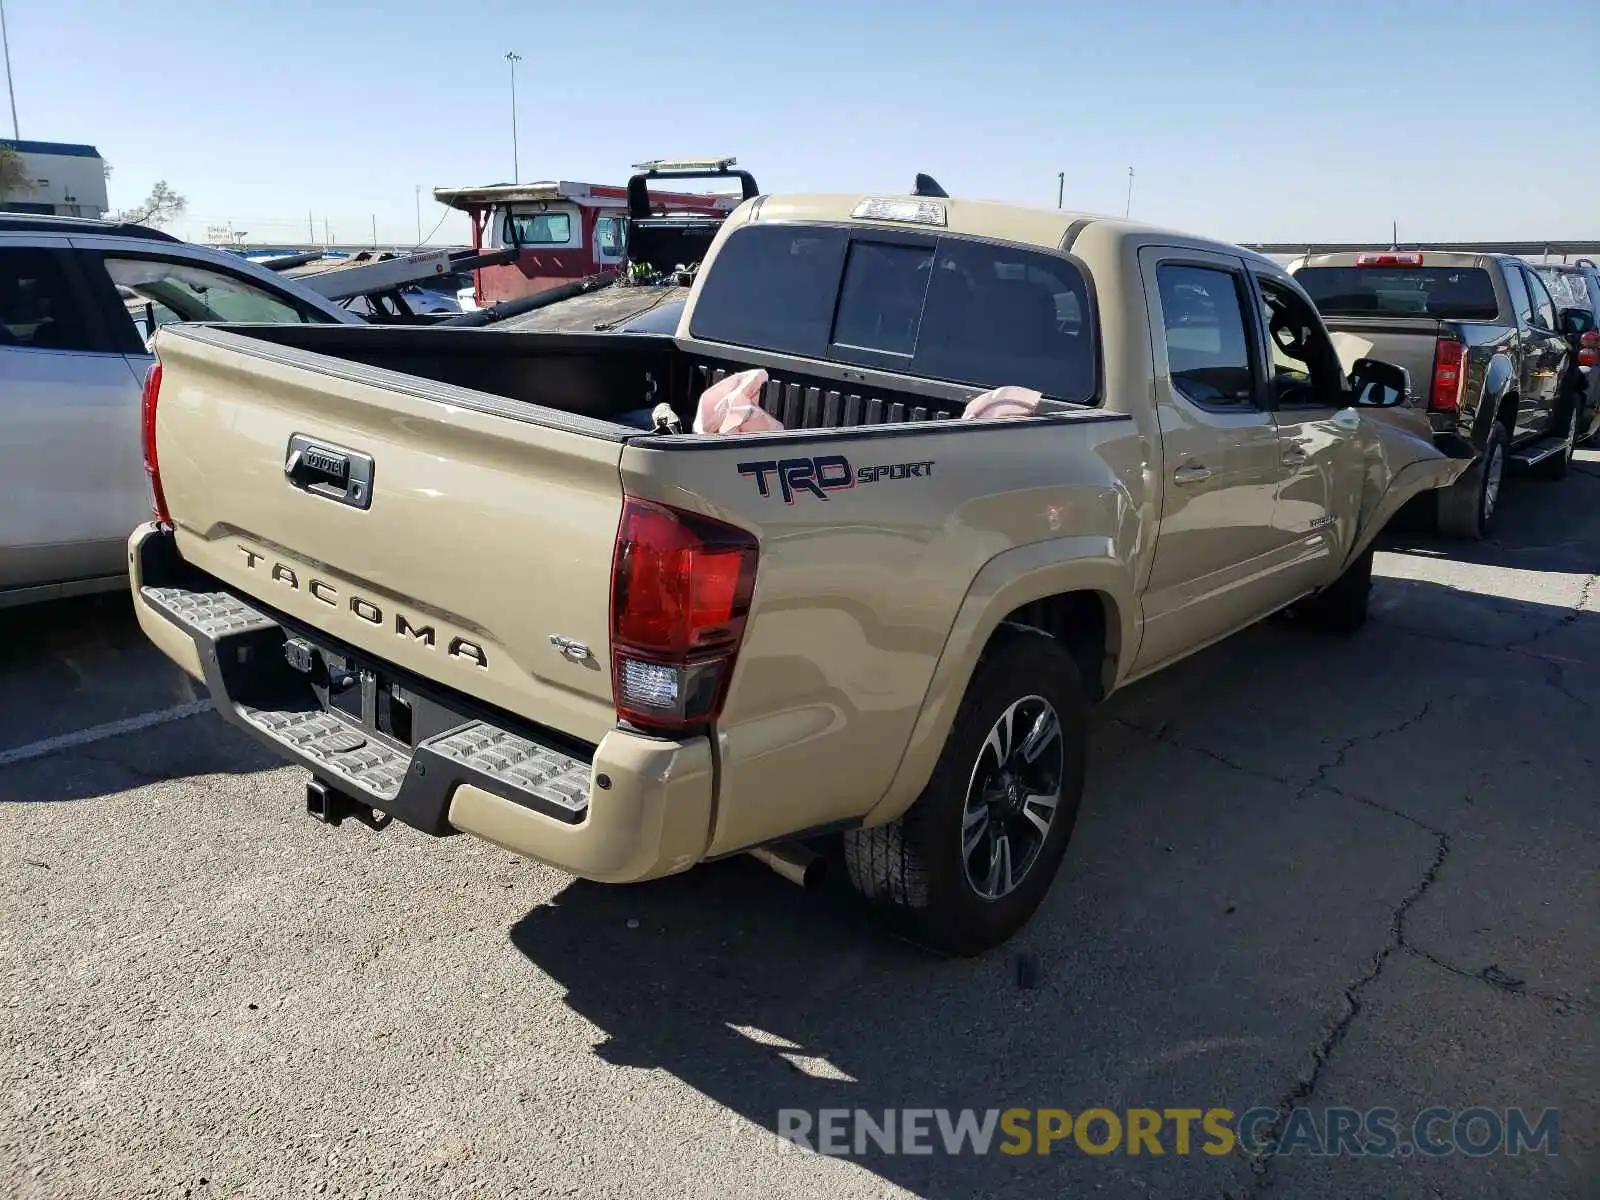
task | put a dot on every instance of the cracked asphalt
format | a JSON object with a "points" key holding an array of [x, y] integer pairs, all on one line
{"points": [[1309, 872]]}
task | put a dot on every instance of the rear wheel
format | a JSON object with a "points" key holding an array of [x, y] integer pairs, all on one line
{"points": [[969, 862], [1467, 507]]}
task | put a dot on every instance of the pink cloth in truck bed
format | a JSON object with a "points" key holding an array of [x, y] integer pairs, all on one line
{"points": [[734, 406], [1007, 401]]}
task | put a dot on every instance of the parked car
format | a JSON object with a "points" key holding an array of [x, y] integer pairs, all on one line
{"points": [[1483, 333], [1577, 286], [78, 301], [437, 568]]}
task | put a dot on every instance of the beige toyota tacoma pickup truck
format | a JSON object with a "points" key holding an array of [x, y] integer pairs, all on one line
{"points": [[454, 574]]}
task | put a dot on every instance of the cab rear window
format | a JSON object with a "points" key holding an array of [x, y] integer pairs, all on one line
{"points": [[1449, 293], [938, 307]]}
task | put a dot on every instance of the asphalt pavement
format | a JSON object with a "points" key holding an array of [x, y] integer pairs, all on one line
{"points": [[1310, 872]]}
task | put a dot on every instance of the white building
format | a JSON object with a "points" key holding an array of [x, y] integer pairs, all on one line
{"points": [[68, 180]]}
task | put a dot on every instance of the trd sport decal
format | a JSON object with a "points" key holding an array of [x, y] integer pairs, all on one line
{"points": [[829, 473]]}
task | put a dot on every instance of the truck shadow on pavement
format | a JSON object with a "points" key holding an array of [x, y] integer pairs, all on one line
{"points": [[1537, 527], [1259, 823]]}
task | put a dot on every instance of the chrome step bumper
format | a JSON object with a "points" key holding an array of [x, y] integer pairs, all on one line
{"points": [[242, 652]]}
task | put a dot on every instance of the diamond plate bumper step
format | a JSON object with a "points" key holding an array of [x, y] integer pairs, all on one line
{"points": [[257, 690]]}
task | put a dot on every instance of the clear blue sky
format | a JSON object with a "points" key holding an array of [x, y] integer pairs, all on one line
{"points": [[1250, 120]]}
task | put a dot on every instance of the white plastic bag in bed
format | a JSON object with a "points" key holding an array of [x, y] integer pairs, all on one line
{"points": [[734, 406], [1009, 401]]}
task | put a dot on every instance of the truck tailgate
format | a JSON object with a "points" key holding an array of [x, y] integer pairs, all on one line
{"points": [[1407, 342], [479, 537]]}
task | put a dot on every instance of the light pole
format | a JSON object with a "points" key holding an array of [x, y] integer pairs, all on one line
{"points": [[514, 58], [11, 87], [1061, 188], [419, 214], [1128, 210]]}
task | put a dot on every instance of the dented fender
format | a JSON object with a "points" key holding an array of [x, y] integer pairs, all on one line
{"points": [[1399, 461]]}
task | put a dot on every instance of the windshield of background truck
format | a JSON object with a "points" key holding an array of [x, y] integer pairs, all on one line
{"points": [[1449, 293], [937, 307]]}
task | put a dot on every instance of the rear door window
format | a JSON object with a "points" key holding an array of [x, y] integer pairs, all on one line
{"points": [[945, 308], [39, 309], [1544, 311], [1448, 293], [1521, 303], [1208, 340]]}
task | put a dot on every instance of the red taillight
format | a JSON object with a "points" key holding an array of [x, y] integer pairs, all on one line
{"points": [[147, 428], [1589, 349], [1389, 259], [680, 591], [1449, 374]]}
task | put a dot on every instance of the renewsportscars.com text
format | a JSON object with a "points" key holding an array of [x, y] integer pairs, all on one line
{"points": [[1377, 1132]]}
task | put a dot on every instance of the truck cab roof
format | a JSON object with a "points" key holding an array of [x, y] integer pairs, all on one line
{"points": [[1045, 228], [46, 223]]}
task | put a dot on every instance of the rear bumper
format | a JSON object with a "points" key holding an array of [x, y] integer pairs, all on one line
{"points": [[630, 808]]}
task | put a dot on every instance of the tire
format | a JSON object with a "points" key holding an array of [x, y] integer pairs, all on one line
{"points": [[1341, 607], [1467, 507], [919, 869], [1555, 467]]}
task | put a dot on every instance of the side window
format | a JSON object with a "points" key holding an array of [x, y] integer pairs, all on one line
{"points": [[163, 291], [1521, 305], [38, 308], [539, 229], [1208, 343], [1544, 309], [1305, 366], [610, 236]]}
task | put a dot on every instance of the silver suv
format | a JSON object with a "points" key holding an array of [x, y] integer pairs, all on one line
{"points": [[79, 301]]}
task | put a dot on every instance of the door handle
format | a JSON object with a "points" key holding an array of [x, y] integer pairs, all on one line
{"points": [[1191, 473]]}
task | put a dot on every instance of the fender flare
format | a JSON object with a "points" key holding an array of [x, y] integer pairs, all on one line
{"points": [[1005, 583], [1499, 379]]}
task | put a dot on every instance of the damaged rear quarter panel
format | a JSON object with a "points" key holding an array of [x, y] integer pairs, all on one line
{"points": [[869, 544]]}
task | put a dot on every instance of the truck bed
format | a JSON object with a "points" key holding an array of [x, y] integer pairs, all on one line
{"points": [[615, 378]]}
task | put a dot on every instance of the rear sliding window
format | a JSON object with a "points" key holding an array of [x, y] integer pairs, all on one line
{"points": [[937, 307], [1449, 293]]}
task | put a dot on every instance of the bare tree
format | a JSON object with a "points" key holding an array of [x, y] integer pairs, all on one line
{"points": [[14, 177], [160, 206]]}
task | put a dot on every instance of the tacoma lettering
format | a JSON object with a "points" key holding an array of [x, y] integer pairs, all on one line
{"points": [[365, 610]]}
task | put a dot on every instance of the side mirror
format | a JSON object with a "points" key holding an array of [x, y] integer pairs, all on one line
{"points": [[1379, 384], [1575, 322]]}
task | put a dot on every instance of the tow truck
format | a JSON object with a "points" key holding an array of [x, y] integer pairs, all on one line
{"points": [[539, 244], [559, 232]]}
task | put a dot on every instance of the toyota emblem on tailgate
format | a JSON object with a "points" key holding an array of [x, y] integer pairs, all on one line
{"points": [[331, 472]]}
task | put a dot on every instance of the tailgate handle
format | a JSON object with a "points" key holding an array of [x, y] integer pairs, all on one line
{"points": [[329, 471]]}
